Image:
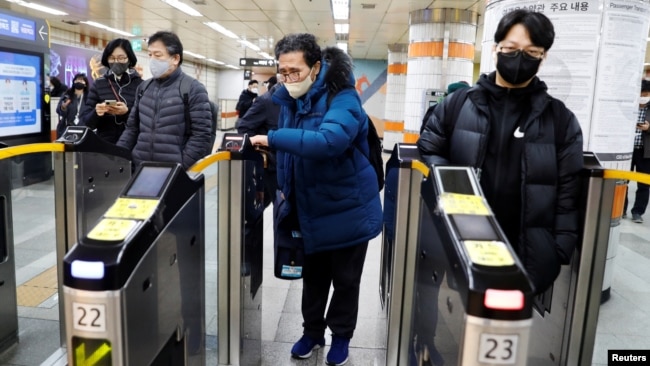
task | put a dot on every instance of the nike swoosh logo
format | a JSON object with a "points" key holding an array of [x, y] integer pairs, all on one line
{"points": [[518, 133]]}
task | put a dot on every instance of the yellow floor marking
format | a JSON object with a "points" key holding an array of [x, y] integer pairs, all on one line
{"points": [[38, 289]]}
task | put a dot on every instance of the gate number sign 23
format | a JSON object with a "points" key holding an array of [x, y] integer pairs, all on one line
{"points": [[498, 349], [89, 317]]}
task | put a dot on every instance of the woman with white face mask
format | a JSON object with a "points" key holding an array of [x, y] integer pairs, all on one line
{"points": [[111, 96], [325, 178]]}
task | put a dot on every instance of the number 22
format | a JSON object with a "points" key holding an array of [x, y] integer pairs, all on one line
{"points": [[93, 323]]}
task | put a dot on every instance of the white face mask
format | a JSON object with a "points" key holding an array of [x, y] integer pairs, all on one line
{"points": [[300, 88], [158, 67], [255, 90], [644, 100]]}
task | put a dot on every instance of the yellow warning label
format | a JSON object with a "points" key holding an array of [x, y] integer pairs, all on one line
{"points": [[132, 208], [454, 203], [112, 229], [489, 253], [91, 352]]}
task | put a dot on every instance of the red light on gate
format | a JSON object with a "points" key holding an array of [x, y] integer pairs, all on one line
{"points": [[503, 299]]}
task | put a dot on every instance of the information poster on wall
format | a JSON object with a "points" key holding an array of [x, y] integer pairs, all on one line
{"points": [[618, 82], [20, 109], [598, 51]]}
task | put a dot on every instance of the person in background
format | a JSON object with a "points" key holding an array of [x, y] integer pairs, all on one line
{"points": [[71, 103], [118, 84], [325, 176], [246, 98], [261, 118], [525, 145], [156, 128], [450, 89], [641, 155], [57, 88]]}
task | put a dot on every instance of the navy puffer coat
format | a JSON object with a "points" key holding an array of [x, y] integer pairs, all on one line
{"points": [[321, 153]]}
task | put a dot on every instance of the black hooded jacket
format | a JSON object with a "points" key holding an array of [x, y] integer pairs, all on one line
{"points": [[245, 101], [528, 148]]}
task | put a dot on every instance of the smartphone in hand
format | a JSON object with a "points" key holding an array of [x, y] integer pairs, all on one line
{"points": [[110, 102]]}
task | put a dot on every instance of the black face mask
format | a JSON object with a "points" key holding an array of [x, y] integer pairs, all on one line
{"points": [[79, 86], [517, 69], [118, 68]]}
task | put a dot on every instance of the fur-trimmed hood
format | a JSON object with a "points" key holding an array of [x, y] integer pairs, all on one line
{"points": [[337, 66]]}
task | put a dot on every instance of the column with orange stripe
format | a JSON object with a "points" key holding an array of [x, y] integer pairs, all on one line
{"points": [[441, 51], [395, 88]]}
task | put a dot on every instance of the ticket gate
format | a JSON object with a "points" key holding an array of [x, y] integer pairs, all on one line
{"points": [[88, 174], [8, 305], [566, 316], [240, 253], [134, 283], [458, 293]]}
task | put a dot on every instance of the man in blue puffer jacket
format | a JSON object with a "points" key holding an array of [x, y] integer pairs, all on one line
{"points": [[156, 128], [323, 170]]}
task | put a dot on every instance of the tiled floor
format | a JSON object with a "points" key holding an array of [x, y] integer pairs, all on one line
{"points": [[624, 320]]}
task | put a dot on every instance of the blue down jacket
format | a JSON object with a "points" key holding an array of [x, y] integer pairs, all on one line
{"points": [[321, 160]]}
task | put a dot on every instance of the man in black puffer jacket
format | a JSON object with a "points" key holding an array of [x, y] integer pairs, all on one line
{"points": [[526, 145], [156, 129]]}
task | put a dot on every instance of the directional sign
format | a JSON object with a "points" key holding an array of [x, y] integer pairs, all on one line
{"points": [[257, 62], [33, 32], [43, 33]]}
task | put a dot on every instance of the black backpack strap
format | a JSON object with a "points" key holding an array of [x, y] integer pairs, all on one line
{"points": [[138, 96], [184, 89]]}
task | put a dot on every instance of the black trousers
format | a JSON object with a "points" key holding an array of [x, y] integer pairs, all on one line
{"points": [[641, 165], [341, 268]]}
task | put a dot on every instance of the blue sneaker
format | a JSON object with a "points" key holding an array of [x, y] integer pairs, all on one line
{"points": [[305, 345], [338, 354]]}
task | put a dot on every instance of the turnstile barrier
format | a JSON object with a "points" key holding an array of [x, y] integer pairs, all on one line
{"points": [[456, 292], [88, 173], [240, 252], [470, 274], [8, 305], [133, 284]]}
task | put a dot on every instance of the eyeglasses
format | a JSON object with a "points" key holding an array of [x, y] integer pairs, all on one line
{"points": [[531, 53], [120, 58], [291, 77]]}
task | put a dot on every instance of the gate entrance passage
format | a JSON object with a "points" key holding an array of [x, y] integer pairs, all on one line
{"points": [[133, 285]]}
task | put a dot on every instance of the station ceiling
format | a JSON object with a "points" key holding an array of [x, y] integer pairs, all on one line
{"points": [[374, 24]]}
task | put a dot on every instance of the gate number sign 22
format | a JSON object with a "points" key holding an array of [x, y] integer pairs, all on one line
{"points": [[498, 349], [89, 317]]}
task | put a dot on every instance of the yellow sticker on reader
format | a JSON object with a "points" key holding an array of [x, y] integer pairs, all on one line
{"points": [[489, 253], [132, 208], [112, 229], [454, 203]]}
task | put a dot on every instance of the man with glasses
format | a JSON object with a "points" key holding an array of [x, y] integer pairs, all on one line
{"points": [[525, 145], [326, 179], [167, 123]]}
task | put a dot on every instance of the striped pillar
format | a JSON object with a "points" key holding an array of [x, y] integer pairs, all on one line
{"points": [[395, 88], [441, 51]]}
